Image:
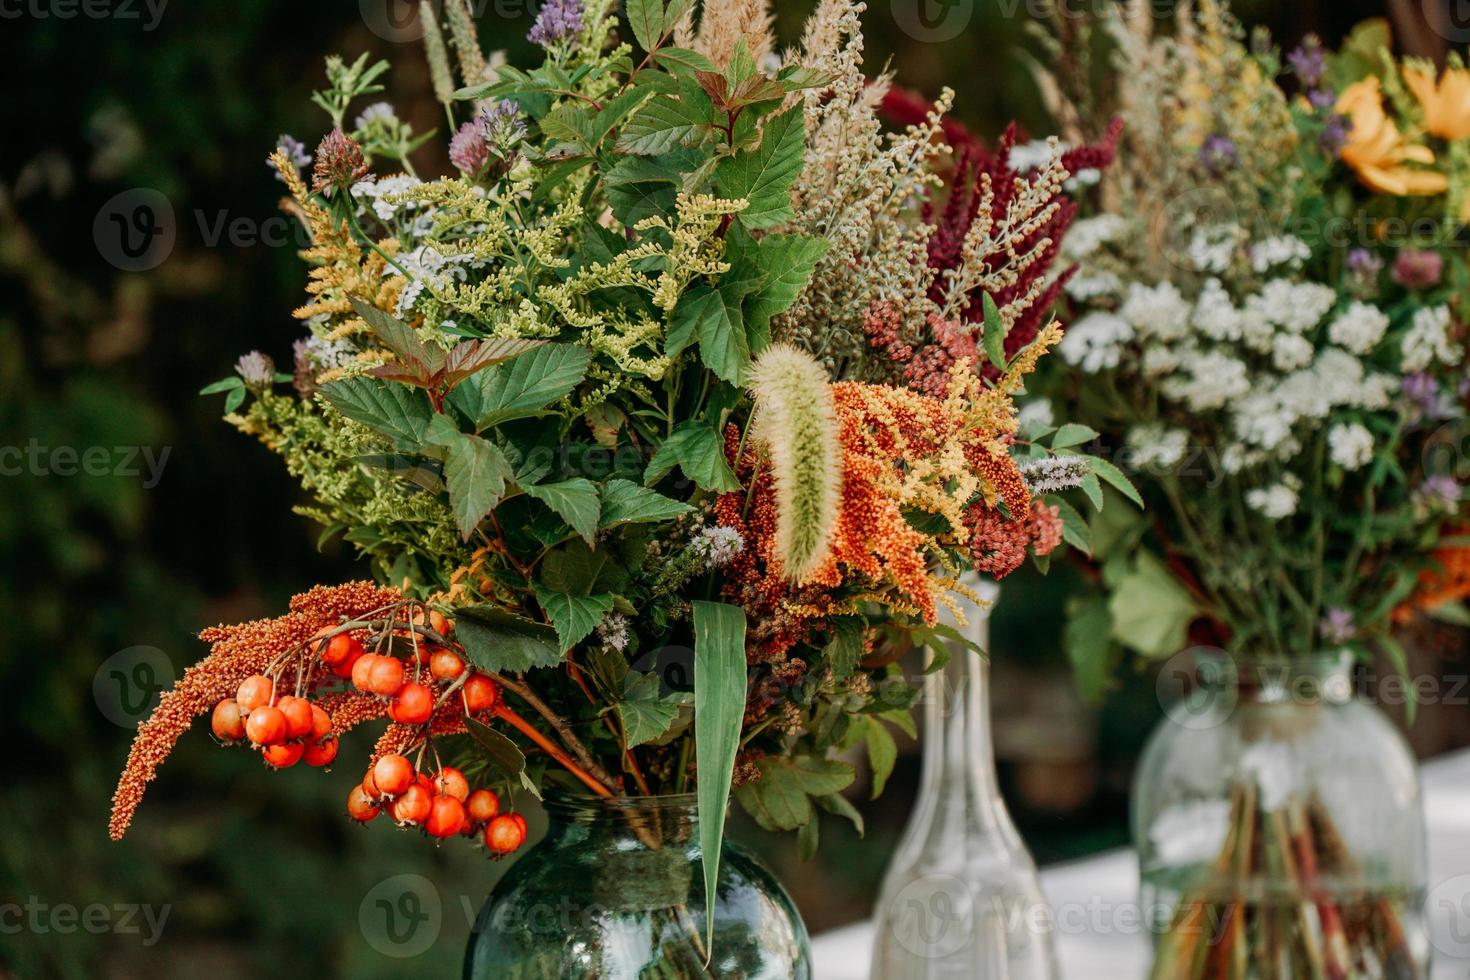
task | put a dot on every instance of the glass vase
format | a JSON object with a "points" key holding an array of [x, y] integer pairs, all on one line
{"points": [[615, 891], [1280, 829], [961, 898]]}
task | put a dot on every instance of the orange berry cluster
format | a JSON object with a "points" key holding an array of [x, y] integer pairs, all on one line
{"points": [[286, 729]]}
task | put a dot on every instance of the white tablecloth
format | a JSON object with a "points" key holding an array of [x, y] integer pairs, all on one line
{"points": [[1096, 900]]}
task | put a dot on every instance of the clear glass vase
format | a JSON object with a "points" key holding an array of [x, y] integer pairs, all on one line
{"points": [[961, 898], [615, 891], [1280, 829]]}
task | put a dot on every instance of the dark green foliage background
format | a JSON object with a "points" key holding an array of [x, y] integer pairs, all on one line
{"points": [[261, 872]]}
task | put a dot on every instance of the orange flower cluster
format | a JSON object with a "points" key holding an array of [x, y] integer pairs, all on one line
{"points": [[236, 653], [1448, 583]]}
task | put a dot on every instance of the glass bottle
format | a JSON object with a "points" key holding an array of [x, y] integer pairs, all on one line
{"points": [[961, 898], [615, 891], [1280, 828]]}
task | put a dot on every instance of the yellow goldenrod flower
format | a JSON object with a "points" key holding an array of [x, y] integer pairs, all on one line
{"points": [[1378, 151], [1446, 102]]}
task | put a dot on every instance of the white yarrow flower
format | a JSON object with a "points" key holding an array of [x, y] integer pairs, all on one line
{"points": [[1095, 342], [1159, 311], [1286, 250], [1350, 445], [1428, 340], [1276, 501], [1359, 328]]}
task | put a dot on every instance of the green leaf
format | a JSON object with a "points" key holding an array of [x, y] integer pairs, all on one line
{"points": [[523, 387], [228, 384], [625, 502], [719, 711], [1071, 435], [666, 122], [684, 58], [574, 616], [845, 649], [808, 839], [780, 799], [838, 805], [398, 336], [394, 410], [699, 452], [1150, 610], [646, 17], [994, 334], [644, 717], [882, 754], [1092, 487], [475, 471], [495, 640], [1087, 639], [575, 501], [1399, 657], [1115, 478], [772, 272], [501, 750], [234, 399], [1074, 526], [763, 175], [713, 317]]}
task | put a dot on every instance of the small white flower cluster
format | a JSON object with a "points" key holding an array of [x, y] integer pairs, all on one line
{"points": [[615, 631], [1276, 501], [717, 545], [1428, 340], [380, 195]]}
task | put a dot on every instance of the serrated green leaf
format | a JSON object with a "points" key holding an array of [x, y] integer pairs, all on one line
{"points": [[1150, 611], [501, 750], [719, 711], [625, 502], [398, 336], [1074, 526], [882, 754], [643, 715], [575, 501], [663, 124], [475, 472], [1088, 641], [523, 387], [763, 175], [1115, 478], [573, 616], [394, 410], [699, 452], [570, 124], [1092, 487], [646, 17], [713, 318], [771, 272], [780, 799], [495, 640], [1072, 434], [684, 58], [994, 335], [845, 649]]}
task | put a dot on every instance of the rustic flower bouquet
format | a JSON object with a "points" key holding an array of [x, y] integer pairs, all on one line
{"points": [[1269, 330], [622, 413]]}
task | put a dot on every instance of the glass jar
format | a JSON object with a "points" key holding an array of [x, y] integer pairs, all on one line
{"points": [[615, 891], [1279, 827], [962, 898]]}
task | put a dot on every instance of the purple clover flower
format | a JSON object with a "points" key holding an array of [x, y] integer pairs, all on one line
{"points": [[558, 21], [1218, 154], [295, 152], [258, 370], [1438, 494], [1337, 626], [1417, 268], [1309, 61], [489, 137]]}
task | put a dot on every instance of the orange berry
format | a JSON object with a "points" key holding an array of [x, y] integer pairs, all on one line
{"points": [[451, 782], [504, 834], [362, 671], [446, 817], [360, 806], [298, 716], [321, 753], [370, 787], [440, 623], [228, 721], [446, 665], [392, 774], [340, 649], [386, 677], [413, 807], [321, 723], [283, 755], [266, 725], [413, 706], [254, 692], [480, 694], [482, 806], [345, 668]]}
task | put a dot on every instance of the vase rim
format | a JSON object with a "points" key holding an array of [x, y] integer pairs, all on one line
{"points": [[566, 803], [1327, 672]]}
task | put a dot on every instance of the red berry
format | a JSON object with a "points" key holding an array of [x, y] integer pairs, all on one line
{"points": [[392, 774], [254, 692], [283, 755], [360, 806], [386, 678], [345, 668], [340, 649], [480, 694], [451, 782], [370, 787], [321, 723], [520, 820], [413, 706], [266, 725], [362, 671], [298, 716], [228, 721], [413, 806], [422, 778], [504, 834], [446, 817], [482, 806], [446, 665], [321, 753]]}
